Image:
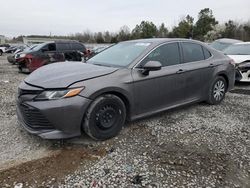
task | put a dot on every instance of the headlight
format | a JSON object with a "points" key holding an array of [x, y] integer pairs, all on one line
{"points": [[58, 94], [22, 55]]}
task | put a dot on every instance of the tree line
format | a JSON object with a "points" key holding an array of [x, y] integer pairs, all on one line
{"points": [[206, 28]]}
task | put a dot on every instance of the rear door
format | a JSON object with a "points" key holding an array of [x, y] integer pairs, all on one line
{"points": [[197, 70], [163, 88]]}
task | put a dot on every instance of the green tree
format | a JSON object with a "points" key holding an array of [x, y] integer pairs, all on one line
{"points": [[162, 31], [184, 28], [145, 30], [107, 37], [114, 38], [230, 29], [124, 33], [247, 31], [99, 37], [205, 23]]}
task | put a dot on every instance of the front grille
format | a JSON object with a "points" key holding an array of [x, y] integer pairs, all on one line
{"points": [[28, 92], [33, 118]]}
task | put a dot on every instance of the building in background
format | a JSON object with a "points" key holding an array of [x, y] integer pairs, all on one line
{"points": [[2, 39], [36, 40]]}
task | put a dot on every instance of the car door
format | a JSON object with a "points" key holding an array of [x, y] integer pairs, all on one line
{"points": [[197, 70], [159, 89]]}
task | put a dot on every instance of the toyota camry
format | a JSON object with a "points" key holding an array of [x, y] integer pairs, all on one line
{"points": [[127, 81]]}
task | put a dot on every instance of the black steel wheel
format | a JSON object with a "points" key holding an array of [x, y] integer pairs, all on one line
{"points": [[105, 117]]}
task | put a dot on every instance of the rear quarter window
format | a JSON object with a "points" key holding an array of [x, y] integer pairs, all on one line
{"points": [[192, 52], [63, 46], [78, 46], [207, 54]]}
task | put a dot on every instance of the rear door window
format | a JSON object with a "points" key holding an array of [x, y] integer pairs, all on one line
{"points": [[78, 46], [63, 46], [167, 55], [192, 52]]}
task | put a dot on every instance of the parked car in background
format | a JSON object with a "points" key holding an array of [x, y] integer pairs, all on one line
{"points": [[21, 48], [3, 48], [240, 53], [127, 81], [96, 50], [11, 49], [50, 52], [223, 43], [13, 57]]}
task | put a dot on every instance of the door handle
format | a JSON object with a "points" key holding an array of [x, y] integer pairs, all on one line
{"points": [[211, 65], [180, 71]]}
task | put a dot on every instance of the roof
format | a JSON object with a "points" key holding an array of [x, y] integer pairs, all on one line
{"points": [[227, 40], [242, 43], [161, 40]]}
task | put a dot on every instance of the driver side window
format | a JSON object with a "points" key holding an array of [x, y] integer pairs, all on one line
{"points": [[167, 55], [49, 47]]}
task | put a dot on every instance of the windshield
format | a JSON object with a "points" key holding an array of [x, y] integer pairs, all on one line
{"points": [[119, 55], [219, 45], [238, 49], [29, 48], [38, 47]]}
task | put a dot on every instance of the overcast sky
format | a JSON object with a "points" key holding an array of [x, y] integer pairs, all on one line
{"points": [[63, 17]]}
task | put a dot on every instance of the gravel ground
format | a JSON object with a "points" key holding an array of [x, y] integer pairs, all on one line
{"points": [[14, 142], [194, 146]]}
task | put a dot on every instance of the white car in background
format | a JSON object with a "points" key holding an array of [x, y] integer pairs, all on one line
{"points": [[2, 50], [240, 53], [221, 44]]}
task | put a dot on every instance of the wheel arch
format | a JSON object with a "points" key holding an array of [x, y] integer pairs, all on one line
{"points": [[224, 75], [122, 94]]}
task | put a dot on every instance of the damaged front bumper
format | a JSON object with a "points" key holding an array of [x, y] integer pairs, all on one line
{"points": [[243, 72], [55, 119]]}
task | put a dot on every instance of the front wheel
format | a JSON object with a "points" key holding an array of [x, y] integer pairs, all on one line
{"points": [[217, 91], [1, 52], [105, 117]]}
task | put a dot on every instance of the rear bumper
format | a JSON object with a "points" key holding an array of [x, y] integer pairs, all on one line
{"points": [[56, 119]]}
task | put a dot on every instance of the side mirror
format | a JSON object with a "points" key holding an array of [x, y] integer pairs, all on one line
{"points": [[151, 66]]}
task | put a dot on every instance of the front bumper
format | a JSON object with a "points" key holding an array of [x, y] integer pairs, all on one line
{"points": [[55, 119], [243, 72]]}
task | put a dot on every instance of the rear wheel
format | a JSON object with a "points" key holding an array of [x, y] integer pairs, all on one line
{"points": [[1, 52], [217, 90], [105, 117]]}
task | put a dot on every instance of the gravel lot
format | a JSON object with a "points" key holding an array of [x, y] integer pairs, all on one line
{"points": [[193, 146]]}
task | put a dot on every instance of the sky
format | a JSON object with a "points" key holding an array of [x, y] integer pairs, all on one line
{"points": [[64, 17]]}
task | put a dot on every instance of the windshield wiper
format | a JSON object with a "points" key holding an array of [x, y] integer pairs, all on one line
{"points": [[99, 64]]}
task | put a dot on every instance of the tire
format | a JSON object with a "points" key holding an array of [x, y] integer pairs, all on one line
{"points": [[1, 52], [217, 91], [105, 117]]}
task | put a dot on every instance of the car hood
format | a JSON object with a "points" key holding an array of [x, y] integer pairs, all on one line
{"points": [[239, 58], [63, 74]]}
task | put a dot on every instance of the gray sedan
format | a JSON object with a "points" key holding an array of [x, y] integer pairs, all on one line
{"points": [[127, 81]]}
